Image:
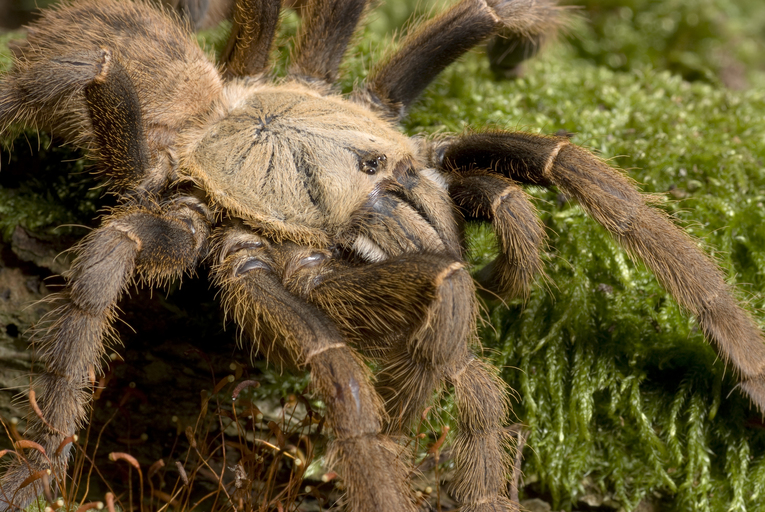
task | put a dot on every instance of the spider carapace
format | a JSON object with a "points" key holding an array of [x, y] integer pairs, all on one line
{"points": [[300, 165]]}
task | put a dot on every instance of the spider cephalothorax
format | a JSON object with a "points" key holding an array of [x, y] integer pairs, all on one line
{"points": [[328, 232]]}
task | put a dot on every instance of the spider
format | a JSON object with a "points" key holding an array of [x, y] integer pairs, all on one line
{"points": [[331, 236]]}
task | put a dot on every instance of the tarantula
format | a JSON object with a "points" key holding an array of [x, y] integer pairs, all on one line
{"points": [[329, 233]]}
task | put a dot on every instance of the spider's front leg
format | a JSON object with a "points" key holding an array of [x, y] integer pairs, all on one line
{"points": [[519, 230], [323, 37], [420, 327], [156, 245], [297, 333], [647, 233], [328, 26]]}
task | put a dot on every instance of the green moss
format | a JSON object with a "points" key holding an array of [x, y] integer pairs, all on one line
{"points": [[617, 383], [43, 188]]}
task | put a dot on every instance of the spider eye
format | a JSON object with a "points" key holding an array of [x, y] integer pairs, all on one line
{"points": [[371, 164]]}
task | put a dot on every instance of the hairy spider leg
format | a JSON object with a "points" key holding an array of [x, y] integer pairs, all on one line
{"points": [[115, 114], [30, 94], [519, 230], [323, 37], [111, 100], [290, 330], [172, 77], [420, 328], [418, 346], [249, 45], [155, 245], [397, 80], [611, 199], [482, 449], [507, 52]]}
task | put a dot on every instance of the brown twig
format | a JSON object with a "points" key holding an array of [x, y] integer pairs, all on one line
{"points": [[34, 477], [63, 444], [110, 502]]}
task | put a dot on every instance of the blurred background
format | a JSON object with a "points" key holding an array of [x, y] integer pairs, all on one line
{"points": [[713, 40]]}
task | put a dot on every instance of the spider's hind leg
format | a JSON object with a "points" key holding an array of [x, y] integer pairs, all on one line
{"points": [[647, 233], [171, 76], [41, 91], [154, 242], [252, 33], [396, 82], [328, 26]]}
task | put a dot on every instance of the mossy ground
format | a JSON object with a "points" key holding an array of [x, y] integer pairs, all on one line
{"points": [[623, 396], [616, 383]]}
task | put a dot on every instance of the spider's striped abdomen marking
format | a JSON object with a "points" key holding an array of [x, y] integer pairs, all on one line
{"points": [[291, 163]]}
